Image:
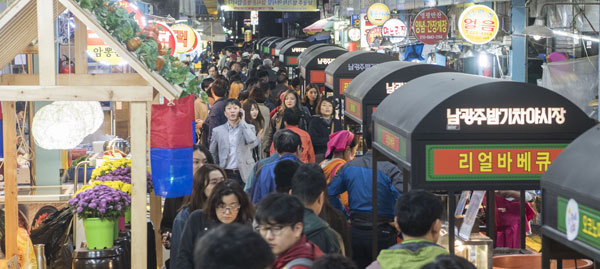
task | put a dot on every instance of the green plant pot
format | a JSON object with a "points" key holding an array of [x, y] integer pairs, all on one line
{"points": [[116, 230], [99, 233], [128, 215]]}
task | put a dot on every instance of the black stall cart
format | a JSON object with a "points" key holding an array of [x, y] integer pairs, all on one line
{"points": [[289, 56], [454, 131], [313, 62], [571, 202], [264, 46], [259, 44], [370, 87], [283, 43], [271, 44], [346, 67]]}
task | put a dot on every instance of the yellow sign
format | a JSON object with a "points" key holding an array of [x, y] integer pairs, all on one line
{"points": [[270, 5], [478, 24], [187, 38], [378, 14]]}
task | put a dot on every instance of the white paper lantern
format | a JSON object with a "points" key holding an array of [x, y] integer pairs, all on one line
{"points": [[90, 111], [58, 126]]}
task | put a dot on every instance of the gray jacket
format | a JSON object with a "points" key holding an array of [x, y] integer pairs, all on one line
{"points": [[219, 147]]}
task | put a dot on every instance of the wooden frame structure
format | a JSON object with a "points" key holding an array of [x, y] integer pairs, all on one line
{"points": [[27, 20]]}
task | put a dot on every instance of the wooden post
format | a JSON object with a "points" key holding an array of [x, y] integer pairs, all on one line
{"points": [[138, 181], [11, 217], [81, 58], [155, 217], [46, 45]]}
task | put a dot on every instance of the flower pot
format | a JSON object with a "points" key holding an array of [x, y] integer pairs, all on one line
{"points": [[128, 215], [116, 229], [99, 233]]}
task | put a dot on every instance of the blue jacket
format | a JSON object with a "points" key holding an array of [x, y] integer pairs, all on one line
{"points": [[257, 167], [265, 182], [356, 176], [216, 116]]}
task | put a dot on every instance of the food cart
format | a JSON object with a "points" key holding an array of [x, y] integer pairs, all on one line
{"points": [[258, 44], [346, 67], [453, 132], [571, 208], [313, 62], [311, 48], [370, 87], [289, 55], [25, 21], [264, 45], [269, 46], [283, 43]]}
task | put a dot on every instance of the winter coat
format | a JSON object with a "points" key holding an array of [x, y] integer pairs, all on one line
{"points": [[319, 232], [414, 253], [302, 249], [320, 130]]}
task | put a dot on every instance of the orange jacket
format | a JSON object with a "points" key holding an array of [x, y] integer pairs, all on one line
{"points": [[308, 152]]}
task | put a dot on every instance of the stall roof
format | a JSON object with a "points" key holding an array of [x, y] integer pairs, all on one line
{"points": [[272, 44], [283, 43], [261, 41], [308, 52], [311, 48], [453, 111], [265, 43], [310, 63], [349, 65]]}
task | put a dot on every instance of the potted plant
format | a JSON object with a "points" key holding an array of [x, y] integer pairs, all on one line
{"points": [[99, 207]]}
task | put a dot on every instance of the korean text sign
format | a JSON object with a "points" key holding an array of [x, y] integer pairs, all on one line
{"points": [[271, 5], [478, 24], [431, 26]]}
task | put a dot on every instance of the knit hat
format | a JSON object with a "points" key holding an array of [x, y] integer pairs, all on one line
{"points": [[338, 141]]}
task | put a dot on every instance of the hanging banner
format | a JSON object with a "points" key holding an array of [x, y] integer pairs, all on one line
{"points": [[431, 26], [478, 24], [100, 51], [378, 13], [270, 5], [166, 37], [187, 38], [395, 29]]}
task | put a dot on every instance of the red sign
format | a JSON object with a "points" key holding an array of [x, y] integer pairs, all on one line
{"points": [[390, 140], [317, 76], [431, 26], [373, 34], [493, 161], [344, 82], [166, 37]]}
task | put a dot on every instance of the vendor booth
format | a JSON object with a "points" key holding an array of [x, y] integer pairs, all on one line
{"points": [[260, 42], [289, 56], [453, 132], [313, 64], [283, 43], [264, 45], [270, 45], [370, 87], [311, 48], [571, 205], [345, 68]]}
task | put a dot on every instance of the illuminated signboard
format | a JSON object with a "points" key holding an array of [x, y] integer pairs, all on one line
{"points": [[505, 116], [359, 67], [344, 82], [391, 87], [578, 222], [478, 24], [353, 108], [489, 162], [391, 141], [431, 26], [325, 61], [187, 38], [378, 13], [298, 50]]}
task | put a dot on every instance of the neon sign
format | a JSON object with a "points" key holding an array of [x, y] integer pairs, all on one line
{"points": [[505, 116]]}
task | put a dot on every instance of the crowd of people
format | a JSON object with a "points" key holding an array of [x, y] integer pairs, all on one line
{"points": [[277, 184]]}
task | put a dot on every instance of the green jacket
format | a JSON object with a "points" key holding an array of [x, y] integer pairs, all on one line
{"points": [[409, 254], [319, 232]]}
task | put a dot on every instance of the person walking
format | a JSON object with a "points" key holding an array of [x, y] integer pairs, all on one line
{"points": [[312, 98], [322, 126], [232, 143]]}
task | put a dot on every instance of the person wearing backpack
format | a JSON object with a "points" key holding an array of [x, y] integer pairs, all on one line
{"points": [[280, 222]]}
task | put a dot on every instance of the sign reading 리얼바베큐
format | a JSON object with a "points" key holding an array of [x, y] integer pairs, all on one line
{"points": [[578, 222], [478, 24], [489, 162], [271, 5], [431, 26]]}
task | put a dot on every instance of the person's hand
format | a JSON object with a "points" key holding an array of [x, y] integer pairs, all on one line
{"points": [[261, 133], [166, 240]]}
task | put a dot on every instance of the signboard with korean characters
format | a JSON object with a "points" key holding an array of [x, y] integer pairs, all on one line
{"points": [[378, 14], [187, 38], [476, 133], [166, 37], [478, 24], [431, 26], [365, 27], [270, 5], [395, 29]]}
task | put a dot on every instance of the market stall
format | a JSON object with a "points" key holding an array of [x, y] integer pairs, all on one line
{"points": [[269, 46], [289, 56], [283, 43], [571, 208], [346, 67], [263, 46], [311, 48], [260, 42], [370, 87], [454, 132], [313, 62], [30, 20]]}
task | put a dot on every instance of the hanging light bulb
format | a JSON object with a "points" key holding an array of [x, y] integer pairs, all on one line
{"points": [[483, 59]]}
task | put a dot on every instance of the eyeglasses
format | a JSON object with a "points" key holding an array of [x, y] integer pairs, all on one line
{"points": [[223, 209], [275, 230]]}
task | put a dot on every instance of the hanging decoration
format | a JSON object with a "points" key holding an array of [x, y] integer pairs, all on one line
{"points": [[478, 24]]}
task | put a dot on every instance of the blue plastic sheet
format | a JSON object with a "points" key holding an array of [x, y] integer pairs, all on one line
{"points": [[172, 171]]}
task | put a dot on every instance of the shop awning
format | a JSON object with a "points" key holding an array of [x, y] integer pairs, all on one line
{"points": [[289, 53], [438, 126], [269, 46], [370, 87], [571, 202], [319, 26], [319, 36], [346, 67], [264, 45], [311, 48], [211, 31], [313, 62]]}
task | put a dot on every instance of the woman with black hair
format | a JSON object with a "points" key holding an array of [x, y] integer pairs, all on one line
{"points": [[290, 100], [341, 148], [227, 204], [312, 98], [205, 180], [321, 126]]}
